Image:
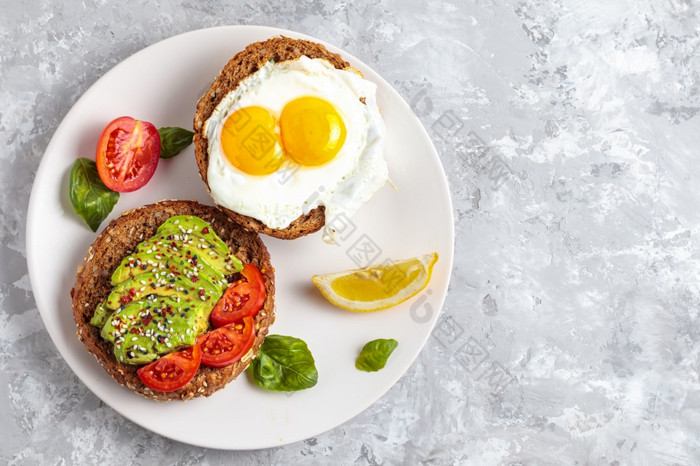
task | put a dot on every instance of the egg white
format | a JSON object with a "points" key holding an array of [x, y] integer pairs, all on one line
{"points": [[342, 185]]}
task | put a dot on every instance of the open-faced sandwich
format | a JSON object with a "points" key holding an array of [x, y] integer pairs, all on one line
{"points": [[174, 299], [288, 137]]}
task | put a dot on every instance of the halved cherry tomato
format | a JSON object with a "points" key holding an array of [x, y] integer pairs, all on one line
{"points": [[243, 298], [252, 275], [227, 344], [127, 154], [172, 371]]}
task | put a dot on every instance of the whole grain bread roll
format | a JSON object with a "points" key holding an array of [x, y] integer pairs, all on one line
{"points": [[118, 240], [242, 65]]}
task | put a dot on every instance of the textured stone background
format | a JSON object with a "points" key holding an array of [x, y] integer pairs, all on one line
{"points": [[569, 132]]}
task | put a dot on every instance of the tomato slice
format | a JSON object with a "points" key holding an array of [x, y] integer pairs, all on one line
{"points": [[227, 344], [172, 371], [243, 298], [127, 154], [252, 275]]}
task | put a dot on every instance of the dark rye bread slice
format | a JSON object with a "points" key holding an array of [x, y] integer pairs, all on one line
{"points": [[242, 65], [120, 238]]}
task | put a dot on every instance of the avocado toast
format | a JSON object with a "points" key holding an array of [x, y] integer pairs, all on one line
{"points": [[123, 247]]}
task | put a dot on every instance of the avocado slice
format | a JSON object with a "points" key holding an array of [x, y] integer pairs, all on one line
{"points": [[199, 251], [101, 315], [188, 225], [138, 264], [143, 330], [162, 284]]}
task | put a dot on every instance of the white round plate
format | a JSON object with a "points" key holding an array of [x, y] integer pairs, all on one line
{"points": [[161, 84]]}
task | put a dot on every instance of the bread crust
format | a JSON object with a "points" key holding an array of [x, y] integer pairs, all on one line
{"points": [[119, 239], [242, 65]]}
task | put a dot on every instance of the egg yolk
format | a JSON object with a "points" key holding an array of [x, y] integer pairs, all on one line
{"points": [[311, 131], [250, 141]]}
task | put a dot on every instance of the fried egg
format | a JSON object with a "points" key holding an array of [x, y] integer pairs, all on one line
{"points": [[293, 136]]}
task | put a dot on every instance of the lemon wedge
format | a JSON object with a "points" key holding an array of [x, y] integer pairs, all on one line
{"points": [[378, 287]]}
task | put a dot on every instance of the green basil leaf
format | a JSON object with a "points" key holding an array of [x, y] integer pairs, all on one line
{"points": [[284, 364], [91, 199], [374, 354], [173, 140]]}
